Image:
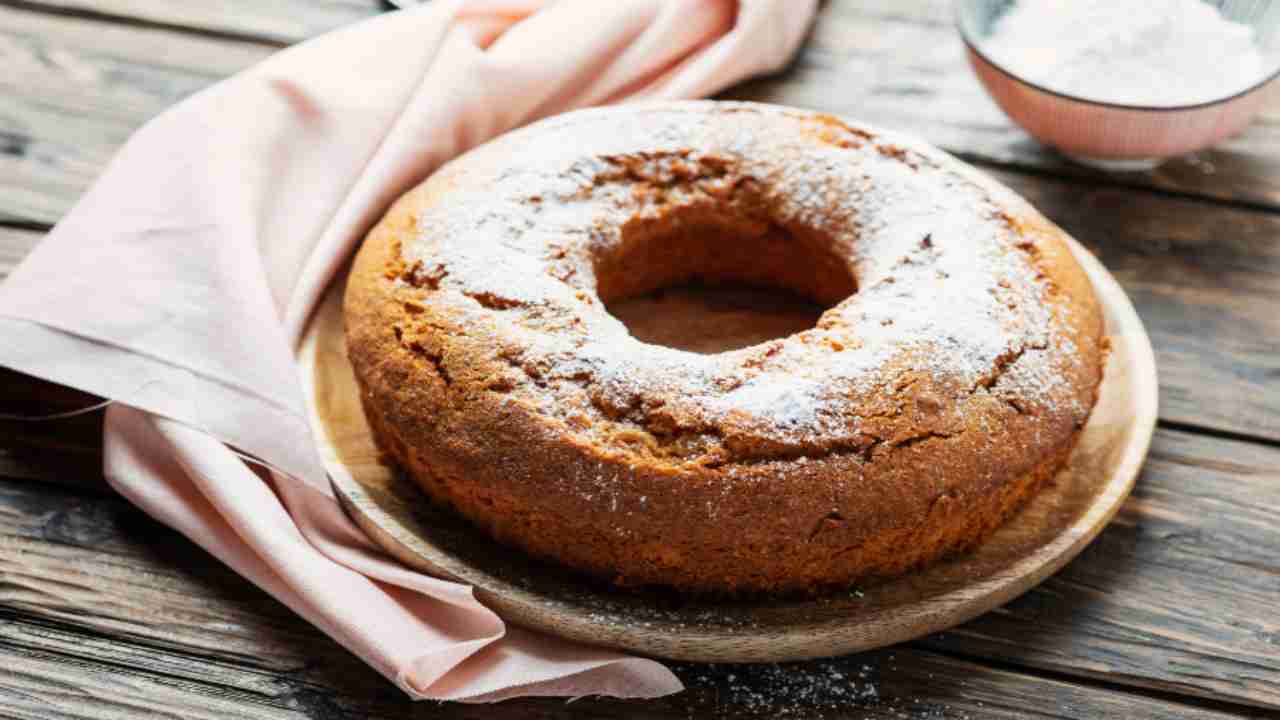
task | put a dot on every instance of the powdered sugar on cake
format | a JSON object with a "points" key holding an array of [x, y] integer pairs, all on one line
{"points": [[949, 293]]}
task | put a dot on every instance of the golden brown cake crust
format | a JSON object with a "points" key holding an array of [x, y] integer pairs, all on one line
{"points": [[949, 380]]}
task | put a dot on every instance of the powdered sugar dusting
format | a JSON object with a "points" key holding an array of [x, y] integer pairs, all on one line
{"points": [[872, 684], [787, 404], [946, 294], [811, 690]]}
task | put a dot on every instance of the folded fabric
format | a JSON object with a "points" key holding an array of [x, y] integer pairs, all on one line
{"points": [[181, 283]]}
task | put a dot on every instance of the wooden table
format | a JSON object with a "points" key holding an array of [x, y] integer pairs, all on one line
{"points": [[1173, 612]]}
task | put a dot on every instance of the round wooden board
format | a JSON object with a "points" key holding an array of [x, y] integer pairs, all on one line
{"points": [[1053, 528]]}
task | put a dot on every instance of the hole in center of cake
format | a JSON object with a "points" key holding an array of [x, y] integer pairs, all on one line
{"points": [[706, 318], [708, 284]]}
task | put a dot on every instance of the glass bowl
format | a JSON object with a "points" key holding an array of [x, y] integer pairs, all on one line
{"points": [[1113, 135]]}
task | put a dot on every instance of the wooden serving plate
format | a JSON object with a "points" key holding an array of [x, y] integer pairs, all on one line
{"points": [[1053, 528]]}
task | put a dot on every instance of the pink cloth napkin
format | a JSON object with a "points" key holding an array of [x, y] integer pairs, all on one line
{"points": [[181, 284]]}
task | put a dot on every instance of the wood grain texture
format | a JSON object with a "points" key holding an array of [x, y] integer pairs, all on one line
{"points": [[278, 21], [1206, 282], [53, 670], [1179, 593], [14, 245], [72, 91], [105, 614], [36, 684], [902, 65], [49, 674], [1193, 553], [74, 88]]}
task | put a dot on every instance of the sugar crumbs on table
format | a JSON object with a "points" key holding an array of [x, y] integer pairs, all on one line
{"points": [[820, 689], [790, 690]]}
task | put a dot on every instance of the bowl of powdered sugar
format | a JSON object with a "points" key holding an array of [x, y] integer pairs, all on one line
{"points": [[1124, 84]]}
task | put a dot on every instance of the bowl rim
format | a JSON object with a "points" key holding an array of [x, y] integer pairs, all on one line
{"points": [[974, 48]]}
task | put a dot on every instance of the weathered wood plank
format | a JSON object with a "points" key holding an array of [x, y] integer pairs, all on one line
{"points": [[1206, 283], [52, 672], [1179, 594], [902, 66], [75, 88], [1192, 554], [279, 21], [14, 245], [40, 685], [99, 564]]}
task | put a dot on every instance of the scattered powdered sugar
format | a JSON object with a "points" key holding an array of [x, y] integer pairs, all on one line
{"points": [[1156, 53], [791, 690], [944, 291], [838, 688], [790, 404]]}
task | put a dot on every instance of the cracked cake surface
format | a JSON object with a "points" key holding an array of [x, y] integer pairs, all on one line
{"points": [[949, 379]]}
